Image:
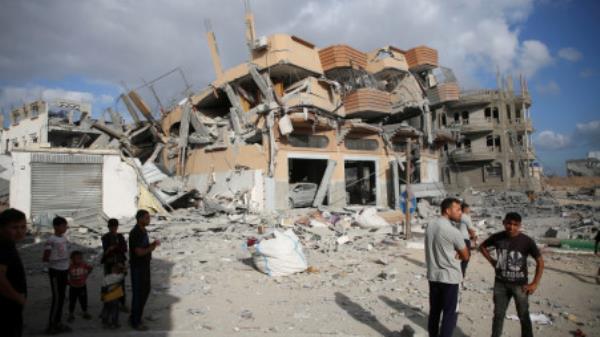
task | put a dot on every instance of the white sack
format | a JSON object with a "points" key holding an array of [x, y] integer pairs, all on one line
{"points": [[281, 255], [368, 218]]}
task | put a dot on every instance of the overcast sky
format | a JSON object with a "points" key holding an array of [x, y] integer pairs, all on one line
{"points": [[90, 49]]}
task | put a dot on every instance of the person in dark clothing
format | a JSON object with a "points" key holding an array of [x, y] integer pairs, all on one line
{"points": [[114, 247], [512, 249], [597, 238], [140, 254], [13, 284]]}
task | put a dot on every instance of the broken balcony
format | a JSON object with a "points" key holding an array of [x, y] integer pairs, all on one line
{"points": [[387, 61], [528, 154], [367, 103], [288, 54], [484, 126], [422, 58], [442, 93], [524, 98], [523, 125], [313, 93], [342, 56], [475, 98], [465, 155]]}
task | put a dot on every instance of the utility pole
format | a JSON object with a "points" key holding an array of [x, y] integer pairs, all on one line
{"points": [[407, 233]]}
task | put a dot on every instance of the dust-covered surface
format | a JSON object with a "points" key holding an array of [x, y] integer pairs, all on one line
{"points": [[204, 282]]}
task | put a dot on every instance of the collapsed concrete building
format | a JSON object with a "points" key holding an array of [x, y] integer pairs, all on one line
{"points": [[56, 123], [587, 167], [495, 150], [294, 126], [59, 164], [335, 121]]}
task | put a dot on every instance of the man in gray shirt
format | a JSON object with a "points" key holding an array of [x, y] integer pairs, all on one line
{"points": [[443, 242], [466, 228]]}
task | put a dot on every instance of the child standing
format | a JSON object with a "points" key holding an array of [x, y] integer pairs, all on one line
{"points": [[114, 247], [56, 254], [112, 292], [78, 274]]}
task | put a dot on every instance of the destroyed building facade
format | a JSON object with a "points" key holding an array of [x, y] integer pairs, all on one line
{"points": [[298, 126], [586, 167], [48, 150], [55, 123], [495, 149], [336, 124]]}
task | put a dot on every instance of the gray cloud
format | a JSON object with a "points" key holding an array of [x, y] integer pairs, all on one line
{"points": [[585, 135], [588, 134], [587, 72], [128, 40], [570, 54], [550, 88], [550, 140]]}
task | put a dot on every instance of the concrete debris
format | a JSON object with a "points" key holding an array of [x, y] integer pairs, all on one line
{"points": [[369, 219], [537, 318], [425, 210]]}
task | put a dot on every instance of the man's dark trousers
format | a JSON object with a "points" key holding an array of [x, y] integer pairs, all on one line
{"points": [[443, 299], [140, 290], [503, 292]]}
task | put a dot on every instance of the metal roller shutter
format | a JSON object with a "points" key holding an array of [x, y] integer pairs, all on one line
{"points": [[63, 187]]}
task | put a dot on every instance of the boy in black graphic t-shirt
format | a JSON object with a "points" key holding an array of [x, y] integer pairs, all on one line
{"points": [[512, 249]]}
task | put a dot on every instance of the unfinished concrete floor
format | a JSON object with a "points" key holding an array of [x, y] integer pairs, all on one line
{"points": [[203, 284]]}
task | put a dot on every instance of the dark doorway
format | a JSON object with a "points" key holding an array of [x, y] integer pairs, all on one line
{"points": [[304, 177], [361, 180]]}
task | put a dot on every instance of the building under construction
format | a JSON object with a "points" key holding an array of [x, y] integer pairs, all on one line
{"points": [[495, 149]]}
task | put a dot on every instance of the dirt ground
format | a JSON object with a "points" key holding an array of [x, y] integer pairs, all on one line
{"points": [[205, 285]]}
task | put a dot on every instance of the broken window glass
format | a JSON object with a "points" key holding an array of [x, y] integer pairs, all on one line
{"points": [[399, 146], [465, 117], [512, 168], [304, 140], [489, 142], [494, 170], [361, 144]]}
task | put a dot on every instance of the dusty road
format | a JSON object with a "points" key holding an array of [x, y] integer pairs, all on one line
{"points": [[203, 284]]}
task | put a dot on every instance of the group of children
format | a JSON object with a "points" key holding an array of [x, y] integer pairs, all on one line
{"points": [[72, 270]]}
